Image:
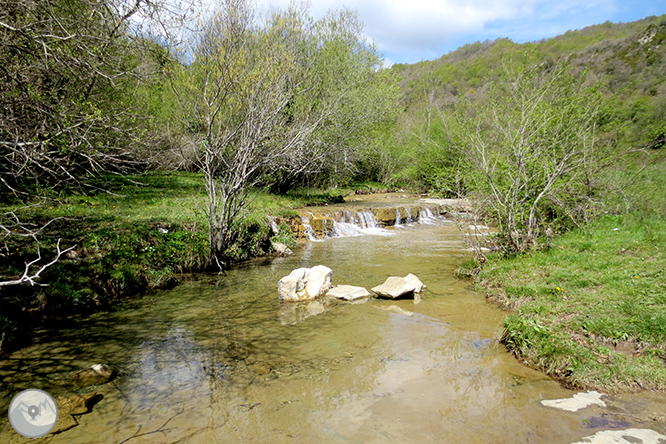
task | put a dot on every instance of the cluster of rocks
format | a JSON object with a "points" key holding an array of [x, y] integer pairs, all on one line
{"points": [[73, 406], [307, 284]]}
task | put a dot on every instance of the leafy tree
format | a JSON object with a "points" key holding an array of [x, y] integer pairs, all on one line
{"points": [[261, 102]]}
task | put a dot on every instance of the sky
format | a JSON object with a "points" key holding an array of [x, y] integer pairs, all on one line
{"points": [[409, 31]]}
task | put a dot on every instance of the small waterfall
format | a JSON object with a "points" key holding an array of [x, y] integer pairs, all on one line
{"points": [[366, 219], [426, 216], [344, 229], [309, 232], [357, 223], [408, 218], [347, 222]]}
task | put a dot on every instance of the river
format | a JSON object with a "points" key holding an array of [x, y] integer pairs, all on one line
{"points": [[219, 359]]}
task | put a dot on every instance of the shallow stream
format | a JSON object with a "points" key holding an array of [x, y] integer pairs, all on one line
{"points": [[220, 360]]}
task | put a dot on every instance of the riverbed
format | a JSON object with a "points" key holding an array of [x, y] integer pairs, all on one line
{"points": [[220, 359]]}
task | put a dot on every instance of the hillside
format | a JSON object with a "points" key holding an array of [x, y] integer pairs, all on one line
{"points": [[626, 60], [628, 54], [502, 122]]}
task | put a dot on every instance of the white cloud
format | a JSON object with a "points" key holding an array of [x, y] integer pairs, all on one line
{"points": [[411, 30]]}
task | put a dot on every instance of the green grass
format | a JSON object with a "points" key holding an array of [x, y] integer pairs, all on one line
{"points": [[590, 310], [159, 197], [121, 243]]}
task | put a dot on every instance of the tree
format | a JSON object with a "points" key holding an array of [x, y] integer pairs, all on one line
{"points": [[254, 98], [533, 151], [67, 69]]}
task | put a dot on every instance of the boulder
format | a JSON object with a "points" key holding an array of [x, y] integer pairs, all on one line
{"points": [[395, 287], [418, 285], [93, 375], [348, 292], [305, 284]]}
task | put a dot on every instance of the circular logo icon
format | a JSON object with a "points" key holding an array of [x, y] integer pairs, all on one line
{"points": [[33, 413]]}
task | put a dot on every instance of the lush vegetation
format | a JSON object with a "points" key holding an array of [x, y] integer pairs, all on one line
{"points": [[137, 239], [131, 151]]}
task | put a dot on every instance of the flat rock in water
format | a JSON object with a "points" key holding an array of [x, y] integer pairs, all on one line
{"points": [[93, 375], [577, 402], [627, 436], [65, 422], [348, 292], [395, 287]]}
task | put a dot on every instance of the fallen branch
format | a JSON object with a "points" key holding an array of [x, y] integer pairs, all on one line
{"points": [[31, 278]]}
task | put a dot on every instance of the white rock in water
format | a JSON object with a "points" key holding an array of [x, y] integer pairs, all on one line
{"points": [[394, 287], [305, 284], [348, 292], [281, 249], [577, 402], [95, 374], [418, 285], [627, 436]]}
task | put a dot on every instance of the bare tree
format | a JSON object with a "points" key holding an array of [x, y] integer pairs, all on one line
{"points": [[66, 70], [253, 97], [534, 144]]}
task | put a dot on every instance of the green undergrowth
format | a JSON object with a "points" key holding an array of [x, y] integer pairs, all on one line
{"points": [[136, 234], [591, 309]]}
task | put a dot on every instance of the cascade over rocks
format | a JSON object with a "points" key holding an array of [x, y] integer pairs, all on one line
{"points": [[305, 284]]}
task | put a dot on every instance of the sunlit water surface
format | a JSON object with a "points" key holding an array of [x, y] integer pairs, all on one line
{"points": [[220, 360]]}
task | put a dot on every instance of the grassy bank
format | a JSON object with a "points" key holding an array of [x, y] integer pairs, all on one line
{"points": [[135, 236], [590, 310]]}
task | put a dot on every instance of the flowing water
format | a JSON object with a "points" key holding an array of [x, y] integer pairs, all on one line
{"points": [[220, 360]]}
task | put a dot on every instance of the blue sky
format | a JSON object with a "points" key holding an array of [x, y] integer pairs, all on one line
{"points": [[408, 31]]}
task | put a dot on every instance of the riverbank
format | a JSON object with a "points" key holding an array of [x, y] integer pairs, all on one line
{"points": [[591, 309], [135, 236]]}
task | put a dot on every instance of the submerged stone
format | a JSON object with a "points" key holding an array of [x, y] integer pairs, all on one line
{"points": [[78, 404], [93, 375]]}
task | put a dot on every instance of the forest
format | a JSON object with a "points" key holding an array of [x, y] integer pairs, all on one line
{"points": [[141, 139]]}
